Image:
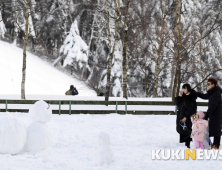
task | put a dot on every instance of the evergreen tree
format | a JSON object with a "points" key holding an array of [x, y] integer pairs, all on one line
{"points": [[74, 49]]}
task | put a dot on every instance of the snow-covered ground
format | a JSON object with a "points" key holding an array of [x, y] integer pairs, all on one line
{"points": [[79, 142], [42, 78]]}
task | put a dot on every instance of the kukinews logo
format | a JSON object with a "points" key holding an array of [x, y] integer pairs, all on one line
{"points": [[195, 154]]}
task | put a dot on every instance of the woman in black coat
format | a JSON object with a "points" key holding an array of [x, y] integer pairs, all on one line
{"points": [[187, 106], [214, 112]]}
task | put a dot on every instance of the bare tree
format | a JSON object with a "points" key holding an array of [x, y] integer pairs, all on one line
{"points": [[24, 49], [123, 20]]}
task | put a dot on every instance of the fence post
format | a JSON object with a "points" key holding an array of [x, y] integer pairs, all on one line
{"points": [[59, 107], [126, 107], [116, 106], [69, 107], [176, 110], [6, 105]]}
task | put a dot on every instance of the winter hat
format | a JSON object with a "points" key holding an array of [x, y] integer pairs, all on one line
{"points": [[201, 114], [71, 87]]}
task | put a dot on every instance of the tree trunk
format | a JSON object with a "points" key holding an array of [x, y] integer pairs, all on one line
{"points": [[109, 74], [124, 65], [157, 69], [172, 81], [125, 77], [146, 85], [125, 40], [177, 81], [156, 80], [24, 49], [90, 41], [15, 22], [175, 84], [110, 65], [95, 60], [201, 64], [162, 87]]}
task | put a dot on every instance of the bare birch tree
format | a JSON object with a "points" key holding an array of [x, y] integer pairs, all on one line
{"points": [[24, 48]]}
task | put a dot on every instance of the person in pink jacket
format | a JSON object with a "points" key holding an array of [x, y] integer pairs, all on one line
{"points": [[199, 127]]}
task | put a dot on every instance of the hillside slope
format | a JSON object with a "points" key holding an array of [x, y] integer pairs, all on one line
{"points": [[41, 78]]}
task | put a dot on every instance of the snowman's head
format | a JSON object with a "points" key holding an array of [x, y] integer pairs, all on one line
{"points": [[41, 112]]}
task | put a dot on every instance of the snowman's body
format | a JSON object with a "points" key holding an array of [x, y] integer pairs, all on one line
{"points": [[12, 135], [38, 137], [15, 138], [38, 134]]}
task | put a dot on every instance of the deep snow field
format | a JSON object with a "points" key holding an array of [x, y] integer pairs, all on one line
{"points": [[104, 142], [42, 78]]}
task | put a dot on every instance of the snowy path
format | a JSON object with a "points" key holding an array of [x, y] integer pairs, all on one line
{"points": [[42, 78], [132, 138]]}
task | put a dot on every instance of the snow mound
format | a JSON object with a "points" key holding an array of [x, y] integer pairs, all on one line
{"points": [[12, 135], [38, 137], [105, 152], [41, 112]]}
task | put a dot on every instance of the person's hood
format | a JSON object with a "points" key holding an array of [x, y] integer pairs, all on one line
{"points": [[201, 114], [216, 88]]}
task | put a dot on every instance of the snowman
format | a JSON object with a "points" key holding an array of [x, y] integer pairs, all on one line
{"points": [[38, 134], [15, 138], [12, 135]]}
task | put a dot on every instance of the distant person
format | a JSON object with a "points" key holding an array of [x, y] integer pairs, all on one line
{"points": [[72, 91], [101, 94]]}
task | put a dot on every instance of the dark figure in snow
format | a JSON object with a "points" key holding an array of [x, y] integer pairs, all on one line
{"points": [[187, 106], [101, 94], [214, 112], [72, 91]]}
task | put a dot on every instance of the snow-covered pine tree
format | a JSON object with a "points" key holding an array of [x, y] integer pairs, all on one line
{"points": [[73, 51]]}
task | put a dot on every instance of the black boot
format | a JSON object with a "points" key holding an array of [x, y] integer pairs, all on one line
{"points": [[187, 143], [216, 142]]}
